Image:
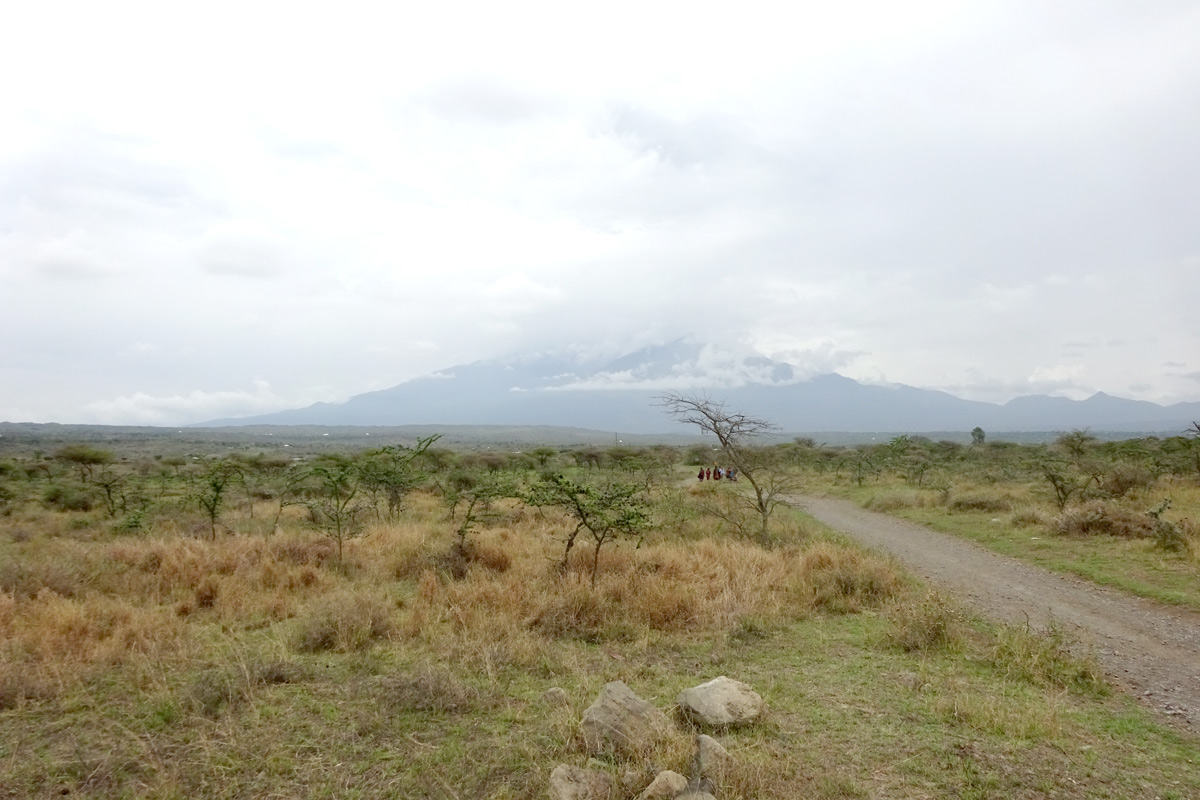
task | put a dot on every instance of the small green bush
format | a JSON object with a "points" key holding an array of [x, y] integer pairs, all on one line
{"points": [[64, 498]]}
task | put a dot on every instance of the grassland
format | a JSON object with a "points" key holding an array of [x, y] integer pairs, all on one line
{"points": [[153, 660]]}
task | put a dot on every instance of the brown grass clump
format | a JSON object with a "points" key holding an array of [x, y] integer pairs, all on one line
{"points": [[426, 688], [925, 623], [1097, 517], [981, 501], [1047, 658], [1029, 517], [344, 621], [843, 580], [899, 499]]}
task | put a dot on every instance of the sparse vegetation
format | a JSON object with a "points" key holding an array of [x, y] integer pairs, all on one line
{"points": [[176, 663]]}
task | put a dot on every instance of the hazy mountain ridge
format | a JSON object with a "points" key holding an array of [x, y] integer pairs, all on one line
{"points": [[621, 395]]}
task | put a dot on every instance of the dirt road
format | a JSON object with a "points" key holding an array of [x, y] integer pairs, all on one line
{"points": [[1153, 651]]}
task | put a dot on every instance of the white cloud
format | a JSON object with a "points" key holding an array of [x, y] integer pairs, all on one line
{"points": [[181, 409], [939, 192]]}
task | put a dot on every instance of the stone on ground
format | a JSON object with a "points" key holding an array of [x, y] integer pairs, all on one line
{"points": [[720, 702], [666, 785], [574, 783], [620, 720]]}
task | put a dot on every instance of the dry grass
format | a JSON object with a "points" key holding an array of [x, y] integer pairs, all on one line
{"points": [[260, 667], [1097, 517], [981, 500], [925, 623]]}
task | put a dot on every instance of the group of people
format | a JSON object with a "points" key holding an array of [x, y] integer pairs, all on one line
{"points": [[716, 473]]}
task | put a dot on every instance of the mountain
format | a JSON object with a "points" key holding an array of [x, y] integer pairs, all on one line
{"points": [[620, 395]]}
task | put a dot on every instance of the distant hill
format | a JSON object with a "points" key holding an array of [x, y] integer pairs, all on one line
{"points": [[621, 395]]}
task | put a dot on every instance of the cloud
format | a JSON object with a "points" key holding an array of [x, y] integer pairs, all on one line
{"points": [[941, 193], [481, 102], [144, 409], [241, 251]]}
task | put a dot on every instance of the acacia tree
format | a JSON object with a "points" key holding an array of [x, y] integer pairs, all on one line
{"points": [[85, 457], [391, 472], [210, 495], [606, 511], [474, 492], [740, 438], [333, 507]]}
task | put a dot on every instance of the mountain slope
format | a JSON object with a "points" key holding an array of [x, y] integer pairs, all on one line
{"points": [[621, 395]]}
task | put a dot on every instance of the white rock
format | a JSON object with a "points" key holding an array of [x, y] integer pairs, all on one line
{"points": [[720, 702]]}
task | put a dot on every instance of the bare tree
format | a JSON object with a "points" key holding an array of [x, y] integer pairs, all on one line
{"points": [[740, 438]]}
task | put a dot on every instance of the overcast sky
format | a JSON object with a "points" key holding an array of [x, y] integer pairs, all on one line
{"points": [[213, 209]]}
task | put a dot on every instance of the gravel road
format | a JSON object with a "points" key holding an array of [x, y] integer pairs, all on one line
{"points": [[1150, 650]]}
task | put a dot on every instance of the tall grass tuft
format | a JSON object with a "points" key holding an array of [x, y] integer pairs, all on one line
{"points": [[1046, 658]]}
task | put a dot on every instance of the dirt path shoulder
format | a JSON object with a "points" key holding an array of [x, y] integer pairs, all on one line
{"points": [[1152, 651]]}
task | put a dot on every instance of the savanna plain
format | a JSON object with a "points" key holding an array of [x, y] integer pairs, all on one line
{"points": [[236, 621]]}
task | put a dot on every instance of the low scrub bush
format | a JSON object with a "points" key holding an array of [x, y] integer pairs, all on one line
{"points": [[342, 621], [1046, 658], [981, 501], [1125, 478], [1097, 517], [425, 688], [1029, 517], [925, 623], [842, 580], [895, 501]]}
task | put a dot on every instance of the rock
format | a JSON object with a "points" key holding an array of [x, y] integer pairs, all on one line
{"points": [[666, 785], [720, 702], [712, 759], [620, 720], [695, 796], [574, 783], [556, 697]]}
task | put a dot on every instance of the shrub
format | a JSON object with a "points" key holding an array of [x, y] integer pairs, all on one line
{"points": [[1045, 658], [425, 688], [981, 501], [63, 498], [926, 623], [893, 501], [1124, 478], [1097, 517], [1029, 517], [343, 621]]}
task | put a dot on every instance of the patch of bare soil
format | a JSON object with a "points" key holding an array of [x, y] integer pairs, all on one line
{"points": [[1150, 650]]}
